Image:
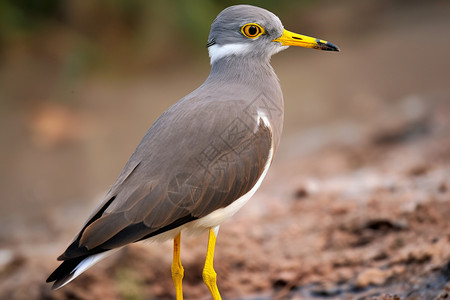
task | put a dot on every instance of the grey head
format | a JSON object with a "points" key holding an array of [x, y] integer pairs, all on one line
{"points": [[253, 32], [244, 30]]}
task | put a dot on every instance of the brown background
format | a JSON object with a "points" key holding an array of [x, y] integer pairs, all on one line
{"points": [[356, 204]]}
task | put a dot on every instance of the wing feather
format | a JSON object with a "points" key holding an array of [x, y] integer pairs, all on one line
{"points": [[190, 163]]}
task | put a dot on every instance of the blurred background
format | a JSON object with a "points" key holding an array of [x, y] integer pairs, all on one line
{"points": [[82, 81]]}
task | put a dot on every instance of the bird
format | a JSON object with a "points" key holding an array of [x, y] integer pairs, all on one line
{"points": [[204, 157]]}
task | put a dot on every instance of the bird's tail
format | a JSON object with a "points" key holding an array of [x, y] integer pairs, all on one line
{"points": [[71, 268]]}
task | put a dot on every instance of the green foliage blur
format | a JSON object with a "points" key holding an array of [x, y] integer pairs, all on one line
{"points": [[98, 33]]}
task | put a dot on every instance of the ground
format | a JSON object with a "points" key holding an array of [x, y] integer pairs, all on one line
{"points": [[365, 219], [355, 206]]}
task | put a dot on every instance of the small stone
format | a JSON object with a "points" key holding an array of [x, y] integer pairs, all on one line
{"points": [[301, 193], [10, 260], [443, 187], [6, 257], [372, 276]]}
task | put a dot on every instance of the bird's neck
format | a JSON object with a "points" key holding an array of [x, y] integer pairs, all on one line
{"points": [[252, 80], [244, 70]]}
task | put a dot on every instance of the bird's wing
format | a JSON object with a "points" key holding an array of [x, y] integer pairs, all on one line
{"points": [[191, 162]]}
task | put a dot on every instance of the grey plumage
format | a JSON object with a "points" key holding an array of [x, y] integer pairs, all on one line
{"points": [[206, 155], [203, 153]]}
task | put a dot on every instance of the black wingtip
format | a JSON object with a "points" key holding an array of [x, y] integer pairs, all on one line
{"points": [[64, 272]]}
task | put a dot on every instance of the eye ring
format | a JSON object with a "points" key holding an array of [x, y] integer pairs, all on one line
{"points": [[252, 30]]}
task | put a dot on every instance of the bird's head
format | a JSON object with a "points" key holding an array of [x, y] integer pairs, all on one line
{"points": [[254, 32]]}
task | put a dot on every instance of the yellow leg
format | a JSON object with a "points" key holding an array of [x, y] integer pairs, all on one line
{"points": [[177, 268], [209, 275]]}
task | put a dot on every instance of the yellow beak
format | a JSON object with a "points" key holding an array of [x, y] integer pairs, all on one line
{"points": [[294, 39]]}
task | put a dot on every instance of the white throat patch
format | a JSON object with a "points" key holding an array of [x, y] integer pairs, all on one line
{"points": [[217, 52]]}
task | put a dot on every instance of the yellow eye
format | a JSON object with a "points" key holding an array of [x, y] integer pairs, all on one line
{"points": [[252, 30]]}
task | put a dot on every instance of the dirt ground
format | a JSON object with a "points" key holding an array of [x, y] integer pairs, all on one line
{"points": [[355, 206]]}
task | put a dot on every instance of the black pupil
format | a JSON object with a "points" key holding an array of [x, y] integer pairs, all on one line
{"points": [[252, 30]]}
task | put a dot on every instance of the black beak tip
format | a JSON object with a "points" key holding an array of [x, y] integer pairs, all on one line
{"points": [[330, 47]]}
